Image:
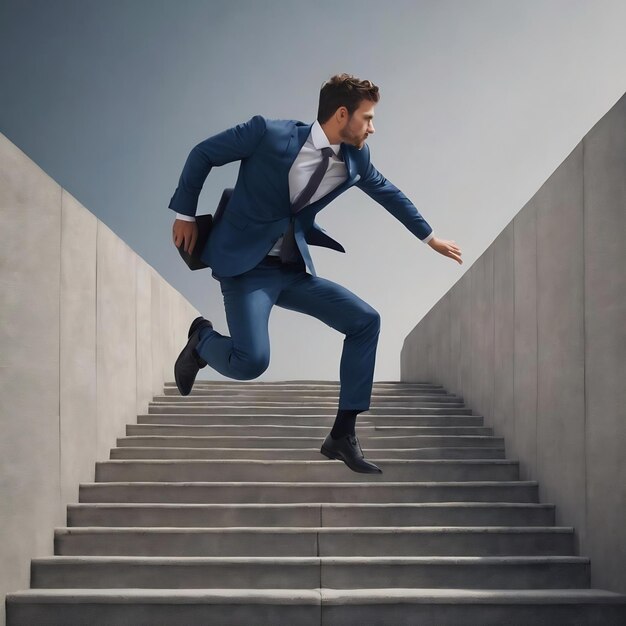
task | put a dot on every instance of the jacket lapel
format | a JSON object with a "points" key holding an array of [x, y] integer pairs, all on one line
{"points": [[297, 139]]}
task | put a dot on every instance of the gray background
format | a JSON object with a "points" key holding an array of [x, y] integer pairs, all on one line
{"points": [[481, 101]]}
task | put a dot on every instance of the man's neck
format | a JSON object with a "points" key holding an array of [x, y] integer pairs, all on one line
{"points": [[331, 133]]}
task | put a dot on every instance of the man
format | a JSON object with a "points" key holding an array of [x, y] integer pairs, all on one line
{"points": [[258, 247]]}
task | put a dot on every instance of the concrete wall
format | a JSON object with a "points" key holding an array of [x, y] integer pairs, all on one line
{"points": [[533, 336], [89, 333]]}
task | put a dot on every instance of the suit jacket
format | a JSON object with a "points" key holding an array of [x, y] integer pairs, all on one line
{"points": [[258, 211]]}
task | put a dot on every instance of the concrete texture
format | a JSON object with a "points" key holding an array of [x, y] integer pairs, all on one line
{"points": [[504, 337], [348, 607], [78, 416], [76, 354], [30, 209], [541, 354], [525, 338], [561, 346], [605, 342], [115, 338], [143, 335]]}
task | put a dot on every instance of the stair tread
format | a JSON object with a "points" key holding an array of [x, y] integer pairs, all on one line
{"points": [[285, 560], [255, 505], [328, 483], [315, 529], [313, 596], [323, 462]]}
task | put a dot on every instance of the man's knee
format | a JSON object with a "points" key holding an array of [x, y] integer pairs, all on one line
{"points": [[368, 320], [253, 366]]}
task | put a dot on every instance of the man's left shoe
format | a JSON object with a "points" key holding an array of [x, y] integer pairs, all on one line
{"points": [[189, 361], [348, 449]]}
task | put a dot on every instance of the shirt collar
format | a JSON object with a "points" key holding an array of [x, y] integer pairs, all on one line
{"points": [[320, 140]]}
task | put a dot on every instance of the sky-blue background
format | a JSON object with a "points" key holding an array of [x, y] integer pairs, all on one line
{"points": [[480, 102]]}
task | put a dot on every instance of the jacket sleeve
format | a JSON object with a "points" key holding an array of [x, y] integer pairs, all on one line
{"points": [[377, 187], [233, 144]]}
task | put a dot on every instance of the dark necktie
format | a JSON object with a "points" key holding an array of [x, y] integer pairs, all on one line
{"points": [[289, 249]]}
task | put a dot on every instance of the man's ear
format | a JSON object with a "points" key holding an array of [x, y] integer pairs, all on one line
{"points": [[342, 114]]}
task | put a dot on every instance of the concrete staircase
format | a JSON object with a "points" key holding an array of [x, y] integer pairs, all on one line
{"points": [[218, 508]]}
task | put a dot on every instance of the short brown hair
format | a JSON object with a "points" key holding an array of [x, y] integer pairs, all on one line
{"points": [[344, 90]]}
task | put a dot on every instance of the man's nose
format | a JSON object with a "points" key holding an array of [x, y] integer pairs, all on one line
{"points": [[371, 128]]}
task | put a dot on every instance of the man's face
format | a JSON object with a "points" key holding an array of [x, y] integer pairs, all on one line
{"points": [[359, 125]]}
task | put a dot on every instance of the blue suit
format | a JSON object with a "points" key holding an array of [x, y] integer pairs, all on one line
{"points": [[257, 214]]}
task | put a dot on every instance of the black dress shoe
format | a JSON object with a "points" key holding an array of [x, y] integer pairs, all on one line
{"points": [[189, 361], [348, 449]]}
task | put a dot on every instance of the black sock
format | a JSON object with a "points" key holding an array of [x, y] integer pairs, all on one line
{"points": [[345, 423]]}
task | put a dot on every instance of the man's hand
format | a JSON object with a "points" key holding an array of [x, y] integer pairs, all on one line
{"points": [[447, 248], [187, 232]]}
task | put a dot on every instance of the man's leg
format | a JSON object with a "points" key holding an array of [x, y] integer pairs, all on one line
{"points": [[342, 310], [360, 323], [248, 299]]}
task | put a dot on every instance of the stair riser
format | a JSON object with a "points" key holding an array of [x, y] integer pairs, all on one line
{"points": [[305, 542], [309, 515], [307, 575], [163, 614], [254, 420], [296, 393], [286, 493], [307, 385], [509, 614], [188, 409], [458, 437], [289, 421], [295, 398], [388, 614], [308, 471], [305, 401], [177, 426], [312, 454], [483, 576]]}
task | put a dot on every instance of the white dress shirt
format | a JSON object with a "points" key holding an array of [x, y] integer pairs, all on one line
{"points": [[302, 169]]}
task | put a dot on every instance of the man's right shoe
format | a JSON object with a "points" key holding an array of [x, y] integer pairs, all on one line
{"points": [[189, 361], [348, 449]]}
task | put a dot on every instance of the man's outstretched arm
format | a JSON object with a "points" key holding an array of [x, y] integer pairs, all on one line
{"points": [[233, 144], [375, 185]]}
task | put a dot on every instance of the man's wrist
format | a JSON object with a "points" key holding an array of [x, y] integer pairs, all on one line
{"points": [[185, 218]]}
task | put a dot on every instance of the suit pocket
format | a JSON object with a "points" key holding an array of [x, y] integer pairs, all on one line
{"points": [[238, 221]]}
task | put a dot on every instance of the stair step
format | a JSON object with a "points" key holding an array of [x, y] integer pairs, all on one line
{"points": [[288, 421], [284, 492], [288, 397], [371, 440], [468, 572], [315, 607], [324, 422], [331, 395], [171, 408], [313, 471], [316, 541], [312, 403], [330, 515], [301, 384], [176, 426], [301, 454]]}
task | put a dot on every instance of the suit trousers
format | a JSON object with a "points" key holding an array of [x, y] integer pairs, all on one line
{"points": [[248, 300]]}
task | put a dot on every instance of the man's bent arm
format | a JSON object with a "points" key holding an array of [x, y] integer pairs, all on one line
{"points": [[232, 144], [375, 185]]}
